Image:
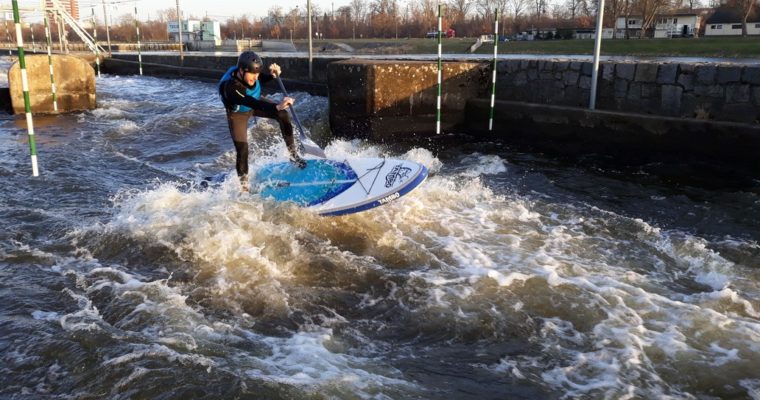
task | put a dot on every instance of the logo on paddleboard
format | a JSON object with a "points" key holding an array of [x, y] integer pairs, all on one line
{"points": [[398, 173]]}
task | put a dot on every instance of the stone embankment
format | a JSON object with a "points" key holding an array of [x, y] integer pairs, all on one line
{"points": [[711, 92]]}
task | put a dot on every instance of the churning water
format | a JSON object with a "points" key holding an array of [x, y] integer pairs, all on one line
{"points": [[504, 275]]}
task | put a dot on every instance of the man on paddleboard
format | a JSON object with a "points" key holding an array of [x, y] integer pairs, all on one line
{"points": [[240, 90]]}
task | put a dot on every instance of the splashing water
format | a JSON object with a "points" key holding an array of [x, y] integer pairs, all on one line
{"points": [[503, 275]]}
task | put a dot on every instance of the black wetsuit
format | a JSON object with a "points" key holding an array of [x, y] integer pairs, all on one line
{"points": [[233, 92]]}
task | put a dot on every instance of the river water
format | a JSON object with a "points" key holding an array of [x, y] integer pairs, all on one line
{"points": [[504, 275]]}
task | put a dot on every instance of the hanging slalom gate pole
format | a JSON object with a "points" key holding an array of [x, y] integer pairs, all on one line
{"points": [[60, 36], [440, 71], [493, 76], [8, 36], [34, 44], [108, 34], [50, 64], [139, 54], [95, 39], [25, 87]]}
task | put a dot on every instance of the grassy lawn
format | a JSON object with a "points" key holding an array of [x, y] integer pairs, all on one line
{"points": [[726, 47], [699, 47]]}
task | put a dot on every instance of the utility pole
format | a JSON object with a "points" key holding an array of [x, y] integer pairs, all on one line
{"points": [[308, 13], [108, 34], [179, 25]]}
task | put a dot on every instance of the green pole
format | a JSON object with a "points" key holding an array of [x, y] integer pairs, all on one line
{"points": [[493, 76], [440, 71], [95, 39], [25, 87], [139, 54], [50, 64]]}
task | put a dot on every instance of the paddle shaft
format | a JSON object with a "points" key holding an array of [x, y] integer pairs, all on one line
{"points": [[292, 110]]}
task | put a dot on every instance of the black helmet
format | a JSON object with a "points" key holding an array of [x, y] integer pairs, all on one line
{"points": [[250, 62]]}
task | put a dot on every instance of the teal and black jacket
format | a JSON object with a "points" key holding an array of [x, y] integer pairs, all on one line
{"points": [[239, 97]]}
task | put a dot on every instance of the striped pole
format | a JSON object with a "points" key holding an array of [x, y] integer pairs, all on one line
{"points": [[95, 39], [60, 35], [50, 64], [34, 44], [493, 75], [440, 71], [8, 36], [139, 54], [25, 87]]}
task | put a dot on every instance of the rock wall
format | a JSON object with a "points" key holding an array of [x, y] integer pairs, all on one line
{"points": [[722, 92]]}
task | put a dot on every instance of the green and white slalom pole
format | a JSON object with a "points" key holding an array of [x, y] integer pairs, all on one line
{"points": [[139, 54], [440, 71], [50, 64], [493, 75], [95, 39], [25, 87], [8, 36], [34, 43]]}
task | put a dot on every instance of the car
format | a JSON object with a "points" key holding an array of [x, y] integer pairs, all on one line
{"points": [[431, 34]]}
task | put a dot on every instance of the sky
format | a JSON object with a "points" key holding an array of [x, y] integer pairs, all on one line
{"points": [[220, 10]]}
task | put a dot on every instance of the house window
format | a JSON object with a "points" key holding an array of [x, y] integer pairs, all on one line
{"points": [[631, 22], [675, 20], [757, 26], [736, 26]]}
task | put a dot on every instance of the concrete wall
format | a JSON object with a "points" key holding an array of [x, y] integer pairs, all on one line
{"points": [[722, 92], [74, 82], [380, 98], [618, 136]]}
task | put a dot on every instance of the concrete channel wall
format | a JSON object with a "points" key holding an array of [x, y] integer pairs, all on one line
{"points": [[709, 92]]}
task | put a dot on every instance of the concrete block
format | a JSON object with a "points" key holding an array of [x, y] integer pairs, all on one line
{"points": [[561, 66], [646, 72], [751, 75], [587, 68], [621, 88], [585, 82], [709, 91], [625, 71], [686, 81], [521, 79], [570, 78], [706, 74], [386, 94], [729, 74], [688, 105], [575, 66], [667, 74], [687, 68], [737, 94], [634, 91], [608, 71], [671, 99], [756, 95], [738, 113], [74, 83], [532, 74], [650, 90]]}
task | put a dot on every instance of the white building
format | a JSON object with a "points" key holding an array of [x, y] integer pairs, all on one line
{"points": [[728, 22], [666, 25], [190, 30]]}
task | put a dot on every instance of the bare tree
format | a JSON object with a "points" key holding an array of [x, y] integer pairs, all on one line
{"points": [[745, 9], [649, 10], [460, 9]]}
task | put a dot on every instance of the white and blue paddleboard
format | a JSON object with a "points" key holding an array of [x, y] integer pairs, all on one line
{"points": [[331, 187]]}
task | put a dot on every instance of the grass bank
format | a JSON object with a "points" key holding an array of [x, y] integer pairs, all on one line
{"points": [[723, 47]]}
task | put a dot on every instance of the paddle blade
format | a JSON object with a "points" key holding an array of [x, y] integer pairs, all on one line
{"points": [[309, 147]]}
